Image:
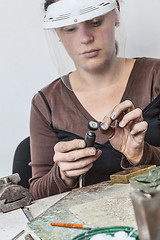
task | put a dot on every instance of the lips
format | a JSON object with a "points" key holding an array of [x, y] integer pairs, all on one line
{"points": [[91, 53]]}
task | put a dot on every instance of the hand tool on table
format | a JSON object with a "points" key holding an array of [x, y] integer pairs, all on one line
{"points": [[73, 225], [13, 196], [89, 140], [29, 237], [29, 216], [18, 235]]}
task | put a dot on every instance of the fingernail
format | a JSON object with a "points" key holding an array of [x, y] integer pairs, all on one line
{"points": [[122, 123], [104, 126], [82, 144], [113, 115], [92, 151], [113, 124]]}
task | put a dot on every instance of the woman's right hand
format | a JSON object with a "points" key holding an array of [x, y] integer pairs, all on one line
{"points": [[74, 159]]}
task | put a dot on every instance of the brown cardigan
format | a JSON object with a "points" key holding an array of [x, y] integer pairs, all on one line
{"points": [[66, 119]]}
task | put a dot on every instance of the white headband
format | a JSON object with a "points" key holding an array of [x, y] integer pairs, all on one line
{"points": [[68, 12]]}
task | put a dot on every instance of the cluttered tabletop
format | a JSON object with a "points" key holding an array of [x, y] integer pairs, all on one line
{"points": [[108, 208]]}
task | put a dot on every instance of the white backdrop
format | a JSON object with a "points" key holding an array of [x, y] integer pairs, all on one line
{"points": [[25, 64]]}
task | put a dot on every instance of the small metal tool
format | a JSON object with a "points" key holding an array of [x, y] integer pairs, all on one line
{"points": [[89, 140], [93, 125], [29, 237], [18, 235], [13, 196], [28, 213]]}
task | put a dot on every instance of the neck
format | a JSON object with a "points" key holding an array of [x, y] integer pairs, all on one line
{"points": [[89, 81]]}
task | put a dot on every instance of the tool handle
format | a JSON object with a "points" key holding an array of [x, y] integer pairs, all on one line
{"points": [[89, 140], [68, 225]]}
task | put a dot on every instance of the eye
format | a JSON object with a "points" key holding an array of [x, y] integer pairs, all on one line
{"points": [[95, 22], [69, 29]]}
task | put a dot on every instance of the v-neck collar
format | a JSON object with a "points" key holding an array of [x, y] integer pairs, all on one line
{"points": [[128, 88]]}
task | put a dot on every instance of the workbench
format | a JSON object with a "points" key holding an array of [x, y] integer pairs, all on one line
{"points": [[61, 206]]}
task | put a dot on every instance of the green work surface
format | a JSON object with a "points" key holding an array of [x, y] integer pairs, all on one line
{"points": [[60, 212]]}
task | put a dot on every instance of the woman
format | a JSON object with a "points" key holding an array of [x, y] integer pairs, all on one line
{"points": [[123, 94]]}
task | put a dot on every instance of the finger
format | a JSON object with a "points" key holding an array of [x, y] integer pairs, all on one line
{"points": [[107, 130], [107, 126], [122, 107], [79, 164], [106, 123], [69, 145], [74, 155], [117, 113], [134, 115], [78, 172], [140, 127], [78, 167]]}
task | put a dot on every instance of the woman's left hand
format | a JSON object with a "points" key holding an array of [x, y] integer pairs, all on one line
{"points": [[126, 130]]}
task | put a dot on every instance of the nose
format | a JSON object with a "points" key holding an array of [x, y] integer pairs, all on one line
{"points": [[85, 34]]}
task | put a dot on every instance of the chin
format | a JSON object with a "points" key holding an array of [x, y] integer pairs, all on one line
{"points": [[95, 67]]}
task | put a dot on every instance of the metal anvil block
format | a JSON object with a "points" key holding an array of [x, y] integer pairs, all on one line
{"points": [[147, 212], [12, 195]]}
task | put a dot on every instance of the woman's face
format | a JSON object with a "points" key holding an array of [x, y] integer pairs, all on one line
{"points": [[90, 44]]}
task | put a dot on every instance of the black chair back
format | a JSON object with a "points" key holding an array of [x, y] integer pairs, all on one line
{"points": [[21, 159]]}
